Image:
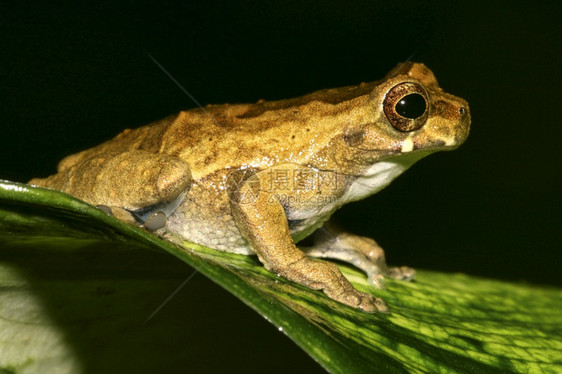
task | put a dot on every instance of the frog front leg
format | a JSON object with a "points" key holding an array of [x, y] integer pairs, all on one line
{"points": [[361, 252], [262, 220]]}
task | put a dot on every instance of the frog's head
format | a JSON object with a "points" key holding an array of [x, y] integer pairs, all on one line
{"points": [[407, 113]]}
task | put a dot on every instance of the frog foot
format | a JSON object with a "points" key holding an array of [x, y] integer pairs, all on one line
{"points": [[153, 222], [363, 253], [326, 276], [403, 273]]}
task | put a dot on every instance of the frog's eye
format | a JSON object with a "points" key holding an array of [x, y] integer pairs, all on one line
{"points": [[406, 106]]}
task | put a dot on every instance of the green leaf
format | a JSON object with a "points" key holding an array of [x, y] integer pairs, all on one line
{"points": [[70, 274]]}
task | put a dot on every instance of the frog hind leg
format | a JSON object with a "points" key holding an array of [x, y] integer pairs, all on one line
{"points": [[361, 252], [119, 213], [138, 182]]}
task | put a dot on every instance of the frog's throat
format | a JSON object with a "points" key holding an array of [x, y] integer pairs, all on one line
{"points": [[379, 175]]}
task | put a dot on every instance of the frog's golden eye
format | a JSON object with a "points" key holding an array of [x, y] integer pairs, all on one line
{"points": [[406, 106]]}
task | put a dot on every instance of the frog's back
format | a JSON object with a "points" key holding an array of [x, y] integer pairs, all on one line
{"points": [[263, 134], [226, 136]]}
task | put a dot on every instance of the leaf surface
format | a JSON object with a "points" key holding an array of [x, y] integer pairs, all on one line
{"points": [[75, 291]]}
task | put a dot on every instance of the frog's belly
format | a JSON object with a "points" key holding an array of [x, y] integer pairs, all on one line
{"points": [[205, 217]]}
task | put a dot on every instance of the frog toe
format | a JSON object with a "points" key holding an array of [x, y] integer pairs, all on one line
{"points": [[369, 303], [403, 273], [155, 221], [380, 305], [376, 280]]}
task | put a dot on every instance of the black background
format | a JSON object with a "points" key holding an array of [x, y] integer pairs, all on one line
{"points": [[76, 74]]}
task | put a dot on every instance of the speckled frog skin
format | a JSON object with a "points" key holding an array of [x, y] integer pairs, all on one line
{"points": [[256, 178]]}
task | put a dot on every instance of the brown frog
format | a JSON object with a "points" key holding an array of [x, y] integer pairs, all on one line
{"points": [[257, 178]]}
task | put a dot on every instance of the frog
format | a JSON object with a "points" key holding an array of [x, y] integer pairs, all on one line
{"points": [[257, 179]]}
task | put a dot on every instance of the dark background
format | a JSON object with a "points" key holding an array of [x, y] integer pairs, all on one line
{"points": [[74, 75]]}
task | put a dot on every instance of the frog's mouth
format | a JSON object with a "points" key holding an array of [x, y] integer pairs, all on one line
{"points": [[410, 146], [443, 139]]}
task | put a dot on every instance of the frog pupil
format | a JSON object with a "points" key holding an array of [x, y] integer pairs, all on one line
{"points": [[411, 106]]}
